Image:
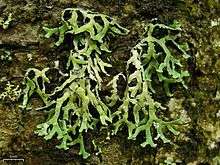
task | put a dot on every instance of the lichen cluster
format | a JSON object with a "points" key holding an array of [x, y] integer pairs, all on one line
{"points": [[138, 110], [157, 58], [75, 105], [6, 22], [5, 56], [10, 92]]}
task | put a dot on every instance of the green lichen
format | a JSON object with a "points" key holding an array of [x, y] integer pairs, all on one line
{"points": [[216, 160], [138, 102], [75, 106], [5, 23], [159, 59], [10, 92], [5, 56], [138, 110]]}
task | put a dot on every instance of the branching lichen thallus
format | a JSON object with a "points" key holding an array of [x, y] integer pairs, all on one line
{"points": [[75, 106]]}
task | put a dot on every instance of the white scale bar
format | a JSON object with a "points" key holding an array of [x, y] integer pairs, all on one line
{"points": [[13, 159]]}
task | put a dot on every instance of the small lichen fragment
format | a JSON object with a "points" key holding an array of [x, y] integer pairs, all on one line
{"points": [[5, 56], [11, 92], [5, 23]]}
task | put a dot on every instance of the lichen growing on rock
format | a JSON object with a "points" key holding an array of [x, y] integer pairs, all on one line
{"points": [[5, 56], [157, 58], [138, 109], [75, 106], [10, 92], [6, 22]]}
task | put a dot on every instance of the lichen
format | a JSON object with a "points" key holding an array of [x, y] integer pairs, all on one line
{"points": [[75, 106], [138, 110], [10, 92], [5, 56], [5, 23], [159, 59]]}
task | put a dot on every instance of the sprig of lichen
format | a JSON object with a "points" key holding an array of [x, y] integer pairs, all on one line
{"points": [[5, 23], [143, 107], [11, 92], [75, 105], [77, 21], [159, 59], [91, 33], [138, 110], [5, 56], [35, 83]]}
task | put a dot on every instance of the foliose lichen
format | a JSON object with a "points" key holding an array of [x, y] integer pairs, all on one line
{"points": [[158, 55], [75, 106], [10, 92], [138, 110], [5, 56], [6, 22]]}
